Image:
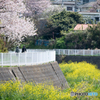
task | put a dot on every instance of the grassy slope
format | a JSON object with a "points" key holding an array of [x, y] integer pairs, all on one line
{"points": [[82, 77]]}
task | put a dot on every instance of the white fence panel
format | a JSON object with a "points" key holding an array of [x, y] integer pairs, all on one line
{"points": [[32, 57], [96, 52], [82, 52]]}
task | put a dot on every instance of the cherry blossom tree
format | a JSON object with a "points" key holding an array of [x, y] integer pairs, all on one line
{"points": [[35, 7], [16, 26], [51, 10], [95, 6]]}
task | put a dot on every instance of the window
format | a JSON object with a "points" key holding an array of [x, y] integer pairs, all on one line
{"points": [[69, 8], [67, 0], [85, 1]]}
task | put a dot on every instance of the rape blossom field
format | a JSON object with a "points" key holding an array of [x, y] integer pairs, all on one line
{"points": [[81, 77]]}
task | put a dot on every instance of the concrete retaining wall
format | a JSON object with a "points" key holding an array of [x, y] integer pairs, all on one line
{"points": [[49, 73], [89, 59]]}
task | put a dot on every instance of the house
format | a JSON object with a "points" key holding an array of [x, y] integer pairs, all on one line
{"points": [[82, 7], [82, 26], [94, 16], [69, 5], [90, 11], [86, 7], [87, 1]]}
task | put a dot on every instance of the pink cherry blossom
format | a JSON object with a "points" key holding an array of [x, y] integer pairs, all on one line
{"points": [[37, 6], [15, 25]]}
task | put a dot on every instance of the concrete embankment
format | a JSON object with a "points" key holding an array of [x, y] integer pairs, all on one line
{"points": [[44, 73]]}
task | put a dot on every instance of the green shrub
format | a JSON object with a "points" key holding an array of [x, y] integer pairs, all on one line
{"points": [[2, 46], [60, 43]]}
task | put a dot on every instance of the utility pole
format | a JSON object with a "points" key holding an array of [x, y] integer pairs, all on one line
{"points": [[62, 3], [75, 5]]}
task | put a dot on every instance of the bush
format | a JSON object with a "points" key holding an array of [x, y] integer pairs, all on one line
{"points": [[77, 40], [60, 43]]}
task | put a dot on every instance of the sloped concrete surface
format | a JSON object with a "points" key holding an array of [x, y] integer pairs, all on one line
{"points": [[49, 73]]}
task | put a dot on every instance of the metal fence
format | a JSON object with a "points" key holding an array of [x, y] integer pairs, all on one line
{"points": [[82, 52], [27, 58]]}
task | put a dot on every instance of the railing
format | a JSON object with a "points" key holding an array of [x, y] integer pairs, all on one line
{"points": [[82, 52], [39, 56], [27, 58]]}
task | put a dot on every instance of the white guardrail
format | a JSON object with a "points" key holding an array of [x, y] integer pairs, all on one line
{"points": [[82, 52], [27, 58], [39, 56]]}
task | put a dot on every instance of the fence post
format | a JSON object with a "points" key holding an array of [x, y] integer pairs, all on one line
{"points": [[64, 52], [2, 59], [75, 52], [54, 55], [92, 52], [59, 51], [32, 58], [37, 58], [68, 51], [83, 52], [48, 56], [19, 59], [25, 58]]}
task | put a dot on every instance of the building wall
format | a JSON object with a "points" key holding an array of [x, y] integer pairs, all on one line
{"points": [[91, 16], [69, 5]]}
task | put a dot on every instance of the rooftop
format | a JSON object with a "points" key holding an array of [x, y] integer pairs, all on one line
{"points": [[82, 26]]}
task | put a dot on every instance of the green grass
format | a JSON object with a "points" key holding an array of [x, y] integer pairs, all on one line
{"points": [[9, 66]]}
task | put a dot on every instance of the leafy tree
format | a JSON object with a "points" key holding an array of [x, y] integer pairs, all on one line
{"points": [[35, 7], [60, 43], [94, 35], [63, 21], [77, 40]]}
